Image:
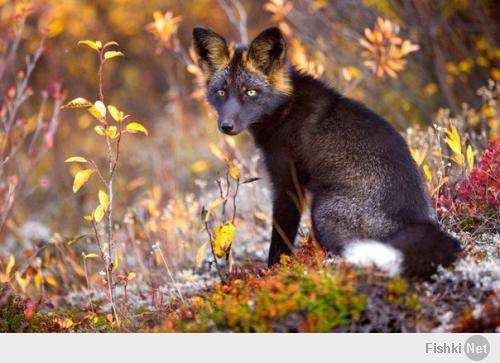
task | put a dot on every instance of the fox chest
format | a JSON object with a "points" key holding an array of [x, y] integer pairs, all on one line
{"points": [[285, 165]]}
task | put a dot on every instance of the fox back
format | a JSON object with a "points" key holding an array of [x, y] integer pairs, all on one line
{"points": [[357, 168]]}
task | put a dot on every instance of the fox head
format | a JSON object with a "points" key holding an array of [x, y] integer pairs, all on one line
{"points": [[243, 83]]}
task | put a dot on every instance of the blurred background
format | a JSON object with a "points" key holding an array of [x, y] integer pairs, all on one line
{"points": [[406, 59]]}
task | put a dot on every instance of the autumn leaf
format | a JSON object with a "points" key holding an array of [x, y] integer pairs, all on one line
{"points": [[76, 159], [23, 282], [233, 170], [103, 199], [427, 173], [38, 279], [78, 102], [112, 132], [216, 151], [419, 156], [116, 263], [136, 127], [76, 239], [441, 183], [90, 255], [81, 178], [213, 205], [98, 213], [10, 264], [131, 276], [112, 54], [51, 280], [200, 254], [452, 139], [116, 114], [98, 110], [470, 157], [99, 130], [223, 238], [97, 45]]}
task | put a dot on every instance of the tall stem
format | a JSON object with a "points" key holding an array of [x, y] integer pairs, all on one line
{"points": [[109, 211]]}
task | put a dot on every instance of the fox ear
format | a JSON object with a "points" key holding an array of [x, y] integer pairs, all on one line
{"points": [[267, 52], [211, 50]]}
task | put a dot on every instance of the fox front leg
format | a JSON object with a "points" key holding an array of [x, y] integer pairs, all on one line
{"points": [[287, 209]]}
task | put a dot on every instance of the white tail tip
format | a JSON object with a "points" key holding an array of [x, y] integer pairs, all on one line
{"points": [[374, 253]]}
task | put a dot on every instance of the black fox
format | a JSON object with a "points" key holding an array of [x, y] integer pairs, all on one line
{"points": [[358, 170]]}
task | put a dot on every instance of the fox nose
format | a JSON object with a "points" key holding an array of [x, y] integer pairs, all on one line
{"points": [[227, 126]]}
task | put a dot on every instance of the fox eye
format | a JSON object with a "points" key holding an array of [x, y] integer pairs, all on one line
{"points": [[221, 93], [251, 93]]}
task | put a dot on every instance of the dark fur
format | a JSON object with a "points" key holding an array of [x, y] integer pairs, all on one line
{"points": [[358, 170]]}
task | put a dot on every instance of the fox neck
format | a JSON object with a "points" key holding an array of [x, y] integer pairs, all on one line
{"points": [[279, 126]]}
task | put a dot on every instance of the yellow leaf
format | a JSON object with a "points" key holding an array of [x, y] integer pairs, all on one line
{"points": [[200, 166], [470, 157], [99, 213], [91, 44], [78, 102], [10, 265], [76, 159], [81, 178], [116, 263], [441, 183], [88, 218], [453, 140], [200, 254], [427, 173], [38, 279], [23, 282], [99, 130], [216, 151], [91, 255], [112, 132], [419, 156], [103, 199], [213, 205], [112, 54], [51, 280], [115, 113], [131, 276], [136, 127], [223, 238], [233, 170], [66, 323], [98, 110]]}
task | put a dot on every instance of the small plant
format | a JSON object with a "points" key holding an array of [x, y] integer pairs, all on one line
{"points": [[111, 129], [221, 234], [299, 294], [384, 50]]}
